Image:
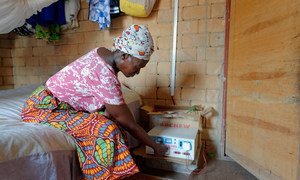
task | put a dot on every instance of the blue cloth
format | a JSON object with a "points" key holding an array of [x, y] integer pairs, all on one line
{"points": [[99, 11], [53, 14]]}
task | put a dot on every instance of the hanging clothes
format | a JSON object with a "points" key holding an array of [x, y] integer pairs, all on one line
{"points": [[50, 33], [47, 22], [13, 13], [53, 14], [99, 11], [72, 8]]}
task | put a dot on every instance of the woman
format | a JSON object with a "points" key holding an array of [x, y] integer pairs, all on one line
{"points": [[76, 98]]}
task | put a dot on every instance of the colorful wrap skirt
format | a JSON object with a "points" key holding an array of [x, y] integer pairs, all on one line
{"points": [[100, 142]]}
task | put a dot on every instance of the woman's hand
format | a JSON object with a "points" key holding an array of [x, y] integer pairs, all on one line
{"points": [[160, 150], [122, 114]]}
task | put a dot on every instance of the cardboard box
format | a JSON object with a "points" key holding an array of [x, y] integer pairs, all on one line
{"points": [[176, 117], [179, 165], [173, 116]]}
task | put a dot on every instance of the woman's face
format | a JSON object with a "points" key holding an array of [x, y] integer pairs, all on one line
{"points": [[132, 66]]}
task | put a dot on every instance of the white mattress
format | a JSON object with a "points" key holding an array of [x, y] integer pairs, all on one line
{"points": [[19, 139], [11, 102]]}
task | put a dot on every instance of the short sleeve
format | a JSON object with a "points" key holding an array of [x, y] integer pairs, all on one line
{"points": [[109, 91]]}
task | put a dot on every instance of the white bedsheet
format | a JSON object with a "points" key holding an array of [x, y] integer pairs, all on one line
{"points": [[19, 139], [11, 102]]}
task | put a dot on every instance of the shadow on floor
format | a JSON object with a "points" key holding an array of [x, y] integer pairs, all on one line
{"points": [[216, 170]]}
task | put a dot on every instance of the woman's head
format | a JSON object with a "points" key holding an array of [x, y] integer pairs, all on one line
{"points": [[135, 47], [137, 41], [131, 65]]}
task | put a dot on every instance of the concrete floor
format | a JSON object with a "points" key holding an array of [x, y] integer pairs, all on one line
{"points": [[215, 170]]}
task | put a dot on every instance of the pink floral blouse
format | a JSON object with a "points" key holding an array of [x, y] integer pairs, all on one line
{"points": [[87, 83]]}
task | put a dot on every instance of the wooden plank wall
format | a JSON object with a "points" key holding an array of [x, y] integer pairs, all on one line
{"points": [[263, 112]]}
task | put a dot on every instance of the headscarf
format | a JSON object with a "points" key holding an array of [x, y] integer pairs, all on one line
{"points": [[136, 40]]}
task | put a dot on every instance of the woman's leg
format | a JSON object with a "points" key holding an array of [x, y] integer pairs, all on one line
{"points": [[102, 150], [100, 144]]}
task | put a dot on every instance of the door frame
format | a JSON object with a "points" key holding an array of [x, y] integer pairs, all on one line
{"points": [[225, 76]]}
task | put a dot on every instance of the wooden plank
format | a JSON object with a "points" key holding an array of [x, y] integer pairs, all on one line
{"points": [[278, 117], [263, 117]]}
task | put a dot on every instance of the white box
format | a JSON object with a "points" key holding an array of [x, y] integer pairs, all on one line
{"points": [[182, 142]]}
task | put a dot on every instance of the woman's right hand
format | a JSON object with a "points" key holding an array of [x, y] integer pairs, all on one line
{"points": [[122, 115], [160, 150]]}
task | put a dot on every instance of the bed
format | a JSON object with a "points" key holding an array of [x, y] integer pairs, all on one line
{"points": [[30, 151]]}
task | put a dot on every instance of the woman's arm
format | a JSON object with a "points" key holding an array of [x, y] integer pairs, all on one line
{"points": [[123, 115]]}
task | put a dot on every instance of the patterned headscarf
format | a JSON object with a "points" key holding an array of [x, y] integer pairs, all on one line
{"points": [[136, 40]]}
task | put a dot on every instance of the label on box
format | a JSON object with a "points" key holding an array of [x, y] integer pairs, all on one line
{"points": [[174, 119]]}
